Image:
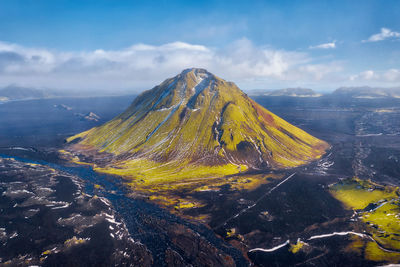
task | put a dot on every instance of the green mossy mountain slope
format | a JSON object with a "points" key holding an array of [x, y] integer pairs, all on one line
{"points": [[197, 120]]}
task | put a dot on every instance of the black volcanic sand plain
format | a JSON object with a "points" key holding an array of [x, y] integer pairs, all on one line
{"points": [[287, 221]]}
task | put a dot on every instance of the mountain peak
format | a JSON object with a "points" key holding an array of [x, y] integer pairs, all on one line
{"points": [[187, 89], [195, 71], [198, 74]]}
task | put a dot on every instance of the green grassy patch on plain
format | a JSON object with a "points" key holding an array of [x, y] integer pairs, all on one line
{"points": [[148, 172], [374, 253], [384, 224], [379, 211], [358, 194]]}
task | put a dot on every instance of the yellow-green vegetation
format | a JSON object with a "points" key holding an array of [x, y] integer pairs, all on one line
{"points": [[161, 189], [185, 205], [191, 131], [164, 189], [384, 224], [204, 218], [371, 251], [374, 253], [251, 182], [295, 248], [379, 210], [74, 241], [358, 194], [238, 182], [46, 252], [143, 171], [176, 202], [163, 194], [144, 174], [164, 200], [97, 186], [231, 232]]}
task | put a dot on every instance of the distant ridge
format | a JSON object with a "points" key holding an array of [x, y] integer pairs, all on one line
{"points": [[294, 92], [14, 92], [367, 92]]}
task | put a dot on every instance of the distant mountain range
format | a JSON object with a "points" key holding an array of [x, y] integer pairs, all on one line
{"points": [[367, 92], [13, 92], [349, 92], [294, 92], [290, 92]]}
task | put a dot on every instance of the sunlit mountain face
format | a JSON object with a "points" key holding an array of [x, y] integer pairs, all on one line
{"points": [[195, 123]]}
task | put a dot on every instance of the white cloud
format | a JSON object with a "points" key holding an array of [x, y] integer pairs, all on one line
{"points": [[383, 35], [389, 77], [392, 75], [365, 75], [324, 46], [141, 66]]}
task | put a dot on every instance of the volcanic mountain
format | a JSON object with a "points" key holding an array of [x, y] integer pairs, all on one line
{"points": [[194, 125]]}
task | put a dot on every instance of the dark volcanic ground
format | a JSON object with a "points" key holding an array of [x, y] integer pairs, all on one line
{"points": [[47, 219], [54, 215], [365, 139]]}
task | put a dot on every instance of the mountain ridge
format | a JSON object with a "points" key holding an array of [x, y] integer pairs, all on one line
{"points": [[14, 92], [294, 92], [367, 92]]}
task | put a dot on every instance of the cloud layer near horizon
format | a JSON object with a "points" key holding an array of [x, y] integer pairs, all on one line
{"points": [[142, 66]]}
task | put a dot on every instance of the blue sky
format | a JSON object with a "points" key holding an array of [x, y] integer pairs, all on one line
{"points": [[257, 44]]}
